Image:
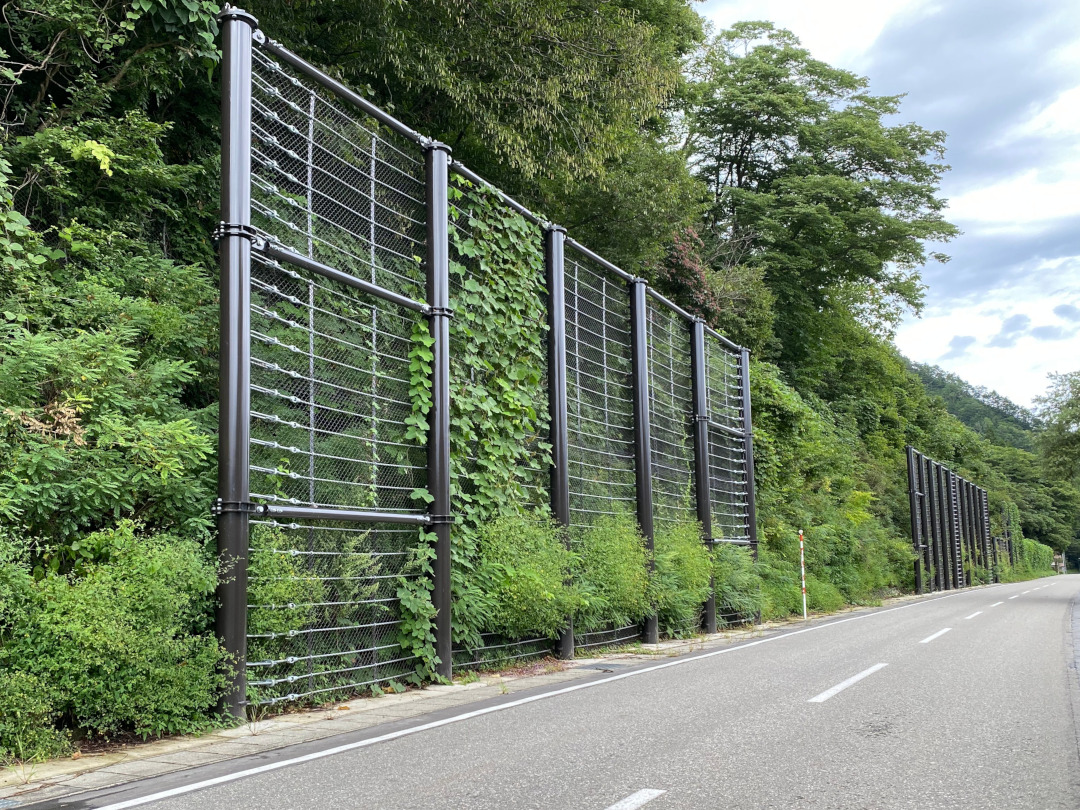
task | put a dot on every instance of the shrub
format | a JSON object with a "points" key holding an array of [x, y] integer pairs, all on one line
{"points": [[27, 720], [612, 572], [781, 588], [524, 568], [821, 596], [680, 581], [738, 587], [127, 645]]}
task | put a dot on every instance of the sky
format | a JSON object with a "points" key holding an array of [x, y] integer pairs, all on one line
{"points": [[1002, 78]]}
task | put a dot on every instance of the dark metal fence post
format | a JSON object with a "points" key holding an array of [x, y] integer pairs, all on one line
{"points": [[913, 506], [234, 253], [948, 546], [980, 533], [702, 483], [991, 540], [436, 159], [969, 557], [934, 523], [639, 344], [554, 244], [924, 522], [956, 528], [748, 438]]}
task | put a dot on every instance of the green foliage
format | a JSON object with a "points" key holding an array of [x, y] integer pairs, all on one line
{"points": [[680, 581], [524, 573], [737, 584], [822, 596], [611, 571], [27, 720], [498, 400], [994, 417], [1059, 442], [548, 88], [126, 644], [810, 184]]}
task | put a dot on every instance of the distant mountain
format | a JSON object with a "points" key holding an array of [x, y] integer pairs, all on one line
{"points": [[997, 418]]}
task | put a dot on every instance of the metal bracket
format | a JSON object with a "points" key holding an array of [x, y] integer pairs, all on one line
{"points": [[427, 144], [225, 229], [700, 418], [445, 312], [221, 507], [437, 519]]}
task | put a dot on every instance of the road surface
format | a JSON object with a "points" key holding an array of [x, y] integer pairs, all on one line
{"points": [[963, 700]]}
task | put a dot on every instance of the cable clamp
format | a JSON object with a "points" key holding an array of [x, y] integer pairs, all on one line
{"points": [[221, 507], [225, 229]]}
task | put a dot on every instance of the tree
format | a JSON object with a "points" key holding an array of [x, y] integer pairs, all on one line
{"points": [[546, 88], [1059, 440], [811, 183]]}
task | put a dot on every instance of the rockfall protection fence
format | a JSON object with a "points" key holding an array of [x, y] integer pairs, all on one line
{"points": [[950, 527], [334, 247]]}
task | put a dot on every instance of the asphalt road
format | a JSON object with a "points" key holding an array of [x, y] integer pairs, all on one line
{"points": [[877, 710]]}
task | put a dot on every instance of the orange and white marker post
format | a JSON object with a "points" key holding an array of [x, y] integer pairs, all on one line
{"points": [[802, 565]]}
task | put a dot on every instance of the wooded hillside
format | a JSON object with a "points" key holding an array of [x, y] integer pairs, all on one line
{"points": [[760, 188]]}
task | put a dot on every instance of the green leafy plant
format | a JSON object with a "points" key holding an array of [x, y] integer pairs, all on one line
{"points": [[28, 717], [524, 571], [736, 583], [680, 581], [611, 570], [127, 643]]}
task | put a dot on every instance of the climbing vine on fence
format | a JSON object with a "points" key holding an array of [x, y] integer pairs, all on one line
{"points": [[498, 418]]}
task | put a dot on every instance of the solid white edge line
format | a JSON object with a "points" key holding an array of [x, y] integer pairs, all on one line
{"points": [[938, 634], [340, 749], [636, 800], [997, 603], [973, 615], [840, 687]]}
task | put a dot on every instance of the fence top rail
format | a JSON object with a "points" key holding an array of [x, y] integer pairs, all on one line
{"points": [[725, 341], [667, 302]]}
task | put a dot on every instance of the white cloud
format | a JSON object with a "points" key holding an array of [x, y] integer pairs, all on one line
{"points": [[838, 32], [1033, 196], [1041, 340]]}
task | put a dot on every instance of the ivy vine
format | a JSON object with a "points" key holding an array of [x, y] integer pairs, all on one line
{"points": [[499, 455]]}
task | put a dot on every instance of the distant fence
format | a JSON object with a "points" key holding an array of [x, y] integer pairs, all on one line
{"points": [[334, 245], [950, 527]]}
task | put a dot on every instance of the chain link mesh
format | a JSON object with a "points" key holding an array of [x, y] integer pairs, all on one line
{"points": [[599, 384], [728, 493], [332, 186], [671, 409], [330, 391]]}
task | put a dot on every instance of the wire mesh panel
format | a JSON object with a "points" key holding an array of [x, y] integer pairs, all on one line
{"points": [[670, 412], [330, 389], [322, 608], [600, 412], [333, 185], [727, 443]]}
